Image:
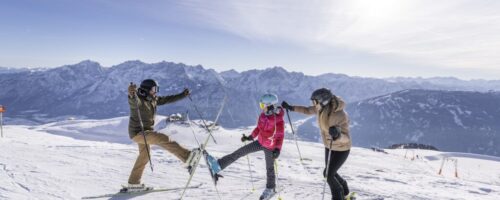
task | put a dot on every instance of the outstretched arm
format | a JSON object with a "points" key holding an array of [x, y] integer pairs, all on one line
{"points": [[305, 110], [301, 109], [173, 98]]}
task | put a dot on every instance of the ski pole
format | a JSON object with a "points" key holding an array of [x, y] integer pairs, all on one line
{"points": [[1, 123], [202, 119], [142, 128], [294, 136], [250, 171], [192, 130], [327, 168], [276, 162], [277, 186]]}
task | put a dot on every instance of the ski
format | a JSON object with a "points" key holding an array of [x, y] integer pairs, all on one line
{"points": [[149, 190], [193, 168], [219, 113]]}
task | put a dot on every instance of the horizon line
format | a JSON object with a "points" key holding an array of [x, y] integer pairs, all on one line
{"points": [[258, 69]]}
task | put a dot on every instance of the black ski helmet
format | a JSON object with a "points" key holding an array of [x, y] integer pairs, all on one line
{"points": [[322, 96], [148, 84]]}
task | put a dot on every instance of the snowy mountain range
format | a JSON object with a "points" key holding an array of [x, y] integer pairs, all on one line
{"points": [[458, 121], [88, 90]]}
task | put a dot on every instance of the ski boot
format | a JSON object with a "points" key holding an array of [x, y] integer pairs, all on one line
{"points": [[193, 159], [350, 196], [213, 167], [131, 188], [268, 194], [213, 164]]}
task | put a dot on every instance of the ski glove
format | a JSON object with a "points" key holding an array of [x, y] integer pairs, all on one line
{"points": [[246, 138], [132, 89], [186, 92], [276, 153], [334, 132], [287, 106]]}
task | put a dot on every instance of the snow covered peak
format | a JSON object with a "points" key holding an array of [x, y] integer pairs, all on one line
{"points": [[88, 62], [86, 67], [10, 70], [334, 76], [230, 74], [132, 63]]}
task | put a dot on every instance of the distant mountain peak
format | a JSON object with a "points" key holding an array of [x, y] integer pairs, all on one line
{"points": [[230, 74], [88, 62], [134, 62], [86, 66]]}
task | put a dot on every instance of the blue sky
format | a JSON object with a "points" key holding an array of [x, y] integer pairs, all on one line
{"points": [[382, 38]]}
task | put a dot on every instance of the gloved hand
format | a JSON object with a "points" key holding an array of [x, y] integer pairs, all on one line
{"points": [[287, 106], [132, 89], [246, 138], [276, 153], [186, 92], [334, 132]]}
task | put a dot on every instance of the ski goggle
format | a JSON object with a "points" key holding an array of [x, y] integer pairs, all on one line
{"points": [[262, 106], [155, 89], [314, 101]]}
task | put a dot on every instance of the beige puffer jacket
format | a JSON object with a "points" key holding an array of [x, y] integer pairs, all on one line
{"points": [[336, 117]]}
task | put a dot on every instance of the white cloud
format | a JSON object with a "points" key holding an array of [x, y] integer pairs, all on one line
{"points": [[445, 33]]}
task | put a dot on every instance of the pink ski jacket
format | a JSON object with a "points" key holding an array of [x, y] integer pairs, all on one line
{"points": [[270, 130]]}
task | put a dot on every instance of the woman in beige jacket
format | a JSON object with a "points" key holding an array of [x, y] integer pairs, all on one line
{"points": [[334, 129]]}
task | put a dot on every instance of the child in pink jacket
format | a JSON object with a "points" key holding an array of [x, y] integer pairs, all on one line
{"points": [[269, 135]]}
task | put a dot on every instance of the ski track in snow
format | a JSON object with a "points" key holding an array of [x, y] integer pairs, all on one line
{"points": [[37, 164]]}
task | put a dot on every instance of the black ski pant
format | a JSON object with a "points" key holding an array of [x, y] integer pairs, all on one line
{"points": [[338, 186], [251, 148]]}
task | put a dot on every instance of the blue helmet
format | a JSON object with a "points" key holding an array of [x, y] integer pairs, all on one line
{"points": [[268, 100]]}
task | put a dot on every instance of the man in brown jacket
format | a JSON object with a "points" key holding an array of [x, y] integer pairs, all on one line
{"points": [[144, 101], [334, 129]]}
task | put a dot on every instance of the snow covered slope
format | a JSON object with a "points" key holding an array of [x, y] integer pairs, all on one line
{"points": [[35, 164]]}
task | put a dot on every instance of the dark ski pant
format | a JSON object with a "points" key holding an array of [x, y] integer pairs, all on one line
{"points": [[338, 186], [251, 148], [154, 138]]}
